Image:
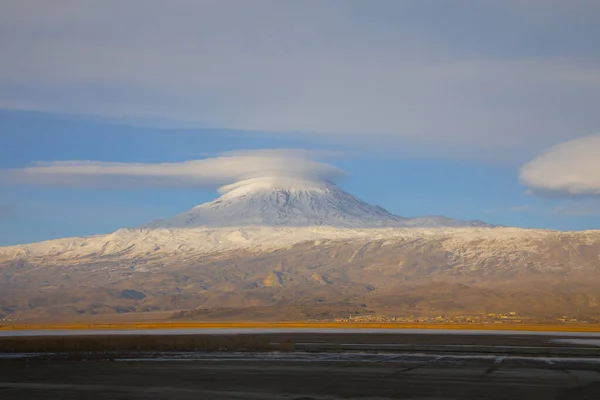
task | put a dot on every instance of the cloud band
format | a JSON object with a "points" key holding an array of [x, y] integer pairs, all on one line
{"points": [[209, 172]]}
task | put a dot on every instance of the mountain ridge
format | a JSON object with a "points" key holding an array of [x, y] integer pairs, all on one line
{"points": [[341, 260], [392, 271]]}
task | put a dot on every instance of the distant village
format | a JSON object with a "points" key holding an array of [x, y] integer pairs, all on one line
{"points": [[495, 318], [490, 318]]}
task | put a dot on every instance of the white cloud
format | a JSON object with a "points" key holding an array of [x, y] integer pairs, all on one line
{"points": [[570, 169], [389, 74], [281, 164]]}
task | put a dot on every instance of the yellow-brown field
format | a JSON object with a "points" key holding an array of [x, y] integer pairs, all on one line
{"points": [[305, 325]]}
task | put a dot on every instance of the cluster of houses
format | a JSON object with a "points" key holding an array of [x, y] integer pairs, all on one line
{"points": [[7, 319], [492, 318], [565, 319], [510, 317]]}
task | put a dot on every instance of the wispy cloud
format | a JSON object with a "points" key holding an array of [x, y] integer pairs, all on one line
{"points": [[283, 164], [570, 169], [390, 74]]}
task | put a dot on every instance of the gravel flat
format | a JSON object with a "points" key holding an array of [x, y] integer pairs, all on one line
{"points": [[449, 367]]}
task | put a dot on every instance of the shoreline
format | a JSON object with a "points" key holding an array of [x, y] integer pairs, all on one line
{"points": [[591, 328], [126, 344]]}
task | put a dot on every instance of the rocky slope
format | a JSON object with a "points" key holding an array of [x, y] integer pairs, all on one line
{"points": [[308, 273], [297, 251]]}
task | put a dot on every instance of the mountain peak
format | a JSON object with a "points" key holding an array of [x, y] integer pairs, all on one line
{"points": [[285, 201], [276, 183]]}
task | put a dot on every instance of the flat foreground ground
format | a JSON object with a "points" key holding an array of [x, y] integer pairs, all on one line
{"points": [[445, 367]]}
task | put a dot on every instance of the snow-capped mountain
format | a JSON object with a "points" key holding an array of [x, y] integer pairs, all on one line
{"points": [[285, 248], [295, 202]]}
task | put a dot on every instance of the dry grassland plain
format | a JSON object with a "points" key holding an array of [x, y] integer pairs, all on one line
{"points": [[297, 325]]}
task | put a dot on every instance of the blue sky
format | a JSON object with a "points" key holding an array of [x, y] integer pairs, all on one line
{"points": [[434, 107]]}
